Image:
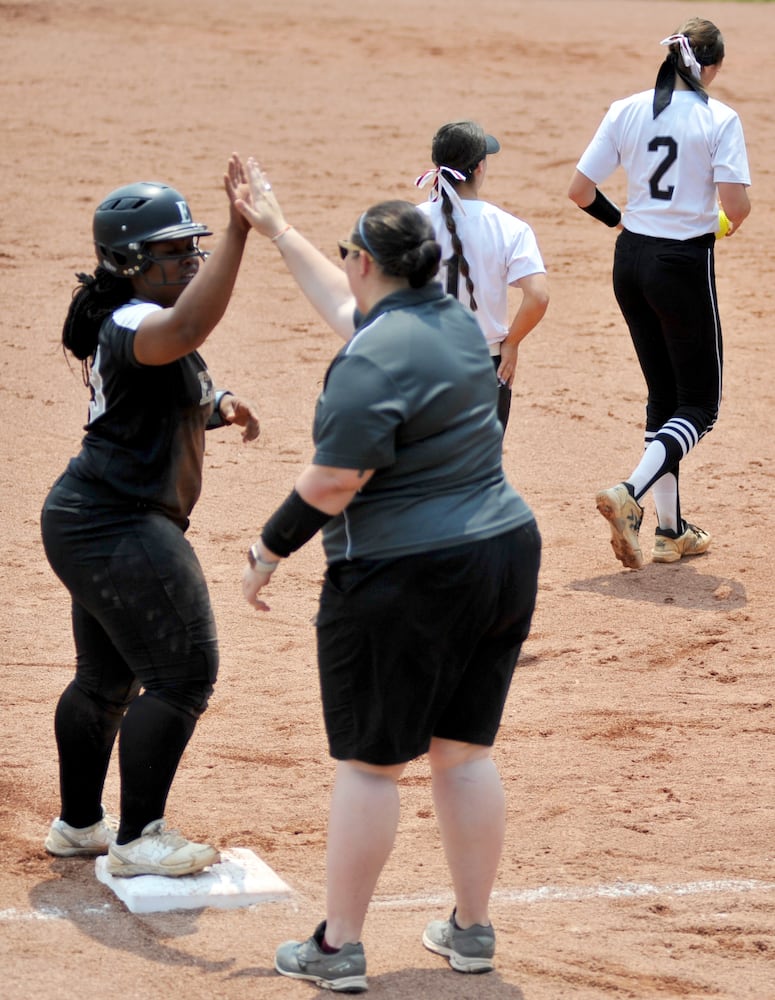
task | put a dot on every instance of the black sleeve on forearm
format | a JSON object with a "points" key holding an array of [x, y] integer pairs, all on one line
{"points": [[604, 210], [293, 523]]}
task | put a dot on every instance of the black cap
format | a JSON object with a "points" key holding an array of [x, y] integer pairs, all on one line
{"points": [[462, 145]]}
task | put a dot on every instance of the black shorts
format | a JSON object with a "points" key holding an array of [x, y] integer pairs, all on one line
{"points": [[424, 645], [141, 610]]}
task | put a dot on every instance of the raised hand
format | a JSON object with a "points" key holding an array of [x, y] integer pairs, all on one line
{"points": [[261, 209], [235, 182]]}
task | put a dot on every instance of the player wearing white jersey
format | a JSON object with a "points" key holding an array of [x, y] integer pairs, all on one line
{"points": [[485, 250], [683, 152]]}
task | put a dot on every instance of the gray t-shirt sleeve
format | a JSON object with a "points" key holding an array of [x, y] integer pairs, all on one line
{"points": [[357, 416]]}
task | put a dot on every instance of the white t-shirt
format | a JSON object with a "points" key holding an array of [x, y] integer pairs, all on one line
{"points": [[499, 248], [673, 163]]}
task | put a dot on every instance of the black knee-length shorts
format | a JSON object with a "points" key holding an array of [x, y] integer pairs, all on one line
{"points": [[424, 645]]}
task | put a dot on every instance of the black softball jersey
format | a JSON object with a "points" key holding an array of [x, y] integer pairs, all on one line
{"points": [[144, 439]]}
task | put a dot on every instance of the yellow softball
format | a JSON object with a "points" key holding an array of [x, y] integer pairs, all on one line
{"points": [[724, 224]]}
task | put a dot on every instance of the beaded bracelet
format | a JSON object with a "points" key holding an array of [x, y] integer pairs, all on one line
{"points": [[282, 232]]}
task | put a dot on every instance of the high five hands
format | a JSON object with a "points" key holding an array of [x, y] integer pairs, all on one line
{"points": [[258, 204]]}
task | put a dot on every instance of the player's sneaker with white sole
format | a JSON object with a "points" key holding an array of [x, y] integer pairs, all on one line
{"points": [[67, 841], [469, 950], [159, 851], [668, 547], [625, 515], [342, 971]]}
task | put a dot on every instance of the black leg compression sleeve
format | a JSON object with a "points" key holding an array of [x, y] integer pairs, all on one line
{"points": [[85, 733], [154, 735]]}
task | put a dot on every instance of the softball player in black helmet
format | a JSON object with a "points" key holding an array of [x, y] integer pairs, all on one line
{"points": [[137, 215], [114, 523], [683, 152]]}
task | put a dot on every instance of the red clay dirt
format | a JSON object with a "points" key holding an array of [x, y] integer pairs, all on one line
{"points": [[637, 743]]}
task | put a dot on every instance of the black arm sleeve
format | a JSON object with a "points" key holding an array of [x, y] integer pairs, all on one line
{"points": [[604, 210], [293, 523]]}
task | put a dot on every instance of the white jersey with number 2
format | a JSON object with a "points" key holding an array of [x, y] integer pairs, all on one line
{"points": [[673, 163]]}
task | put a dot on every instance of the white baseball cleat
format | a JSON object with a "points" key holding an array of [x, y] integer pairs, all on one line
{"points": [[67, 841], [159, 851]]}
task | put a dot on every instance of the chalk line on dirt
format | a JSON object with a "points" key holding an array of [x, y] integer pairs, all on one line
{"points": [[570, 894], [520, 897]]}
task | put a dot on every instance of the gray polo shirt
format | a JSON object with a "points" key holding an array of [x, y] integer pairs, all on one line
{"points": [[413, 395]]}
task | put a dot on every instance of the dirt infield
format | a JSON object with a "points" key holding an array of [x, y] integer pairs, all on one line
{"points": [[637, 743]]}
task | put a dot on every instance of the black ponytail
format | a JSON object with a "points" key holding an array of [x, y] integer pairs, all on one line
{"points": [[401, 240], [95, 297]]}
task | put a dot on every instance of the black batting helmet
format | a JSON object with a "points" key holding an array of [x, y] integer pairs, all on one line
{"points": [[135, 215]]}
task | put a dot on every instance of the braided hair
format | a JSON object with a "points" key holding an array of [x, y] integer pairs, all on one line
{"points": [[96, 296], [462, 146], [463, 266]]}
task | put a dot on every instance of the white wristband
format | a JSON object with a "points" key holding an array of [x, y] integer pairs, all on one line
{"points": [[256, 562]]}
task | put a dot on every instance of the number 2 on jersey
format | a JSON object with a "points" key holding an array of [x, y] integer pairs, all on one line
{"points": [[666, 193]]}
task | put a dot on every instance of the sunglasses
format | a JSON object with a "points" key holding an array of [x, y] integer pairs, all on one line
{"points": [[346, 247]]}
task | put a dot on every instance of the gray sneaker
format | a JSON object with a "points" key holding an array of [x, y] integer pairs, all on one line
{"points": [[159, 851], [470, 950], [67, 841], [342, 971]]}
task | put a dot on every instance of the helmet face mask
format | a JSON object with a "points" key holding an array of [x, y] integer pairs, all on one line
{"points": [[150, 258], [135, 215]]}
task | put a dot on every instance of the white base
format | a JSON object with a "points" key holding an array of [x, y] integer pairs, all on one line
{"points": [[240, 879]]}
